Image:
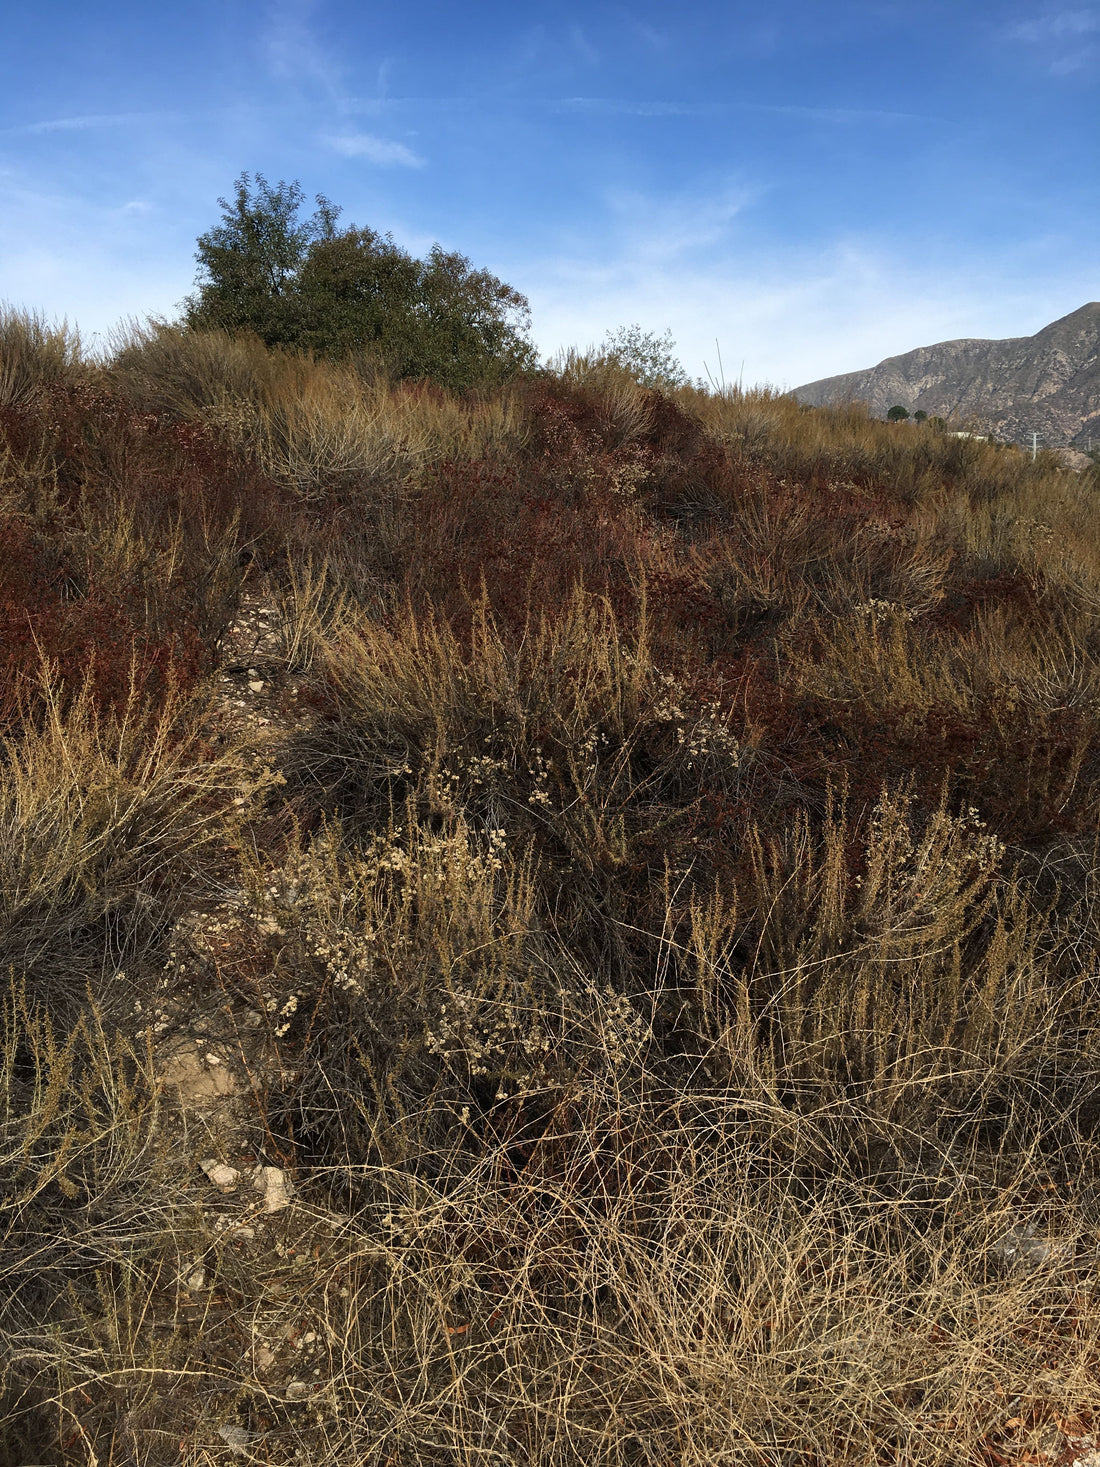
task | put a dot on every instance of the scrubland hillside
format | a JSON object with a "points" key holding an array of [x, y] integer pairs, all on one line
{"points": [[626, 861]]}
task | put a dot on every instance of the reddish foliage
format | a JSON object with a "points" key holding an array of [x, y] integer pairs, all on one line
{"points": [[478, 519], [98, 460], [88, 636], [966, 593]]}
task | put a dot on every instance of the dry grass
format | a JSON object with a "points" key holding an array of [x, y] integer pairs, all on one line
{"points": [[314, 427], [34, 354], [675, 943], [102, 818]]}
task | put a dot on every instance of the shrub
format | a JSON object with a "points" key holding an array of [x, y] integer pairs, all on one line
{"points": [[34, 354], [304, 285], [102, 816]]}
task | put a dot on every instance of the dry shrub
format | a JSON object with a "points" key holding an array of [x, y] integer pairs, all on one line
{"points": [[167, 369], [901, 972], [316, 427], [35, 354], [844, 445], [648, 1101], [102, 820], [624, 410], [570, 730]]}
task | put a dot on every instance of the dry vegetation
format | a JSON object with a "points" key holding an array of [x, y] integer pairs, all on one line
{"points": [[662, 888]]}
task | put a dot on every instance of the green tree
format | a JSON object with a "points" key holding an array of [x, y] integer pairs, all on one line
{"points": [[249, 263], [920, 416], [354, 293], [897, 414], [649, 358]]}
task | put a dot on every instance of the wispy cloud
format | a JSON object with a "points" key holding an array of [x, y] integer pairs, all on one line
{"points": [[662, 229], [650, 37], [626, 107], [83, 124], [1064, 37], [582, 46], [383, 151], [293, 51], [796, 316], [1063, 25]]}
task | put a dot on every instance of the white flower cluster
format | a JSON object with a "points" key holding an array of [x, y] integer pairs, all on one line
{"points": [[350, 911], [951, 851], [710, 737], [623, 1030], [348, 956], [484, 1031], [668, 709], [986, 850], [483, 767], [627, 477], [286, 1011], [540, 771], [879, 611]]}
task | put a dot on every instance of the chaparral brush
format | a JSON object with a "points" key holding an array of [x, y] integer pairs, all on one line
{"points": [[546, 921]]}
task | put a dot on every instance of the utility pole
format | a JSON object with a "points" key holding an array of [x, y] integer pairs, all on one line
{"points": [[1034, 446]]}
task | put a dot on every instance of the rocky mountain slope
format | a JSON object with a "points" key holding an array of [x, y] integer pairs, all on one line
{"points": [[1048, 383]]}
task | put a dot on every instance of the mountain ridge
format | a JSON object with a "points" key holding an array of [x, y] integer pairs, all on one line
{"points": [[1012, 387]]}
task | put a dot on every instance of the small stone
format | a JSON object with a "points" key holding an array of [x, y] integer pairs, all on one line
{"points": [[256, 687], [263, 1358], [195, 1280], [274, 1183], [297, 1390], [220, 1174]]}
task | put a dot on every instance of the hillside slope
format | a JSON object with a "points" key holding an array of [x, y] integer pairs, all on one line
{"points": [[1048, 383]]}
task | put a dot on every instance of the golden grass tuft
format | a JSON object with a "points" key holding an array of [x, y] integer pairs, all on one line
{"points": [[35, 354]]}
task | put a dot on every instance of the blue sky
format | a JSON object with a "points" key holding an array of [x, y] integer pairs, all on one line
{"points": [[815, 185]]}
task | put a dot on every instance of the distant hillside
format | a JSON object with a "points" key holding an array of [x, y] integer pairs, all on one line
{"points": [[1048, 383]]}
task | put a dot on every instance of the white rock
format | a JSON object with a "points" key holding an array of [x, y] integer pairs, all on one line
{"points": [[274, 1183], [297, 1390], [220, 1174], [257, 687], [264, 1358], [235, 1231], [195, 1280]]}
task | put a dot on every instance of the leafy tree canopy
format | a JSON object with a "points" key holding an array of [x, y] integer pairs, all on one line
{"points": [[897, 414], [353, 293], [649, 358]]}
